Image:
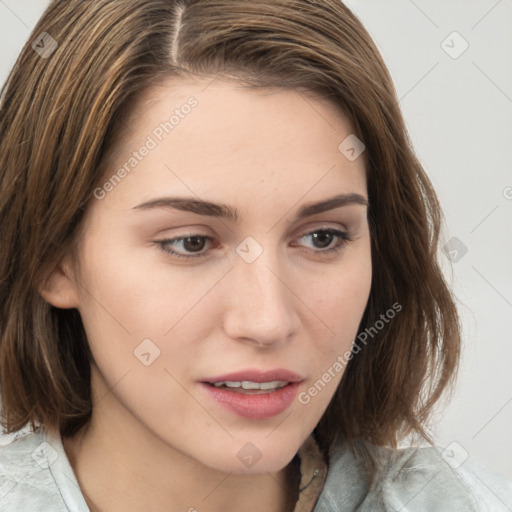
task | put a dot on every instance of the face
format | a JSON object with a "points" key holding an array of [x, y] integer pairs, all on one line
{"points": [[186, 306]]}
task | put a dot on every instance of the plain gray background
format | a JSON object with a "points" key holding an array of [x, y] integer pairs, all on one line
{"points": [[458, 109]]}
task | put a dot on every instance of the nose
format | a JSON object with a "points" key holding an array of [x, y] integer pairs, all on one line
{"points": [[260, 305]]}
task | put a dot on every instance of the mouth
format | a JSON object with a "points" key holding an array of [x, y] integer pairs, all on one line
{"points": [[251, 388], [254, 394]]}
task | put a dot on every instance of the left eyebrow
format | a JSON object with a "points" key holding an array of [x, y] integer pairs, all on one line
{"points": [[227, 212]]}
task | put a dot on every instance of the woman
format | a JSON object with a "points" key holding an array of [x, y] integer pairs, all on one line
{"points": [[219, 278]]}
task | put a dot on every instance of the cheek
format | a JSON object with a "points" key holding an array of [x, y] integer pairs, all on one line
{"points": [[127, 299], [339, 299], [340, 307], [137, 327], [141, 295]]}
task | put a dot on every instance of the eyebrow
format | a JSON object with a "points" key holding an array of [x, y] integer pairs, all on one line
{"points": [[225, 211]]}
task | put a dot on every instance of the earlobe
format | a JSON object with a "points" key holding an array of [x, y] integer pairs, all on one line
{"points": [[60, 289]]}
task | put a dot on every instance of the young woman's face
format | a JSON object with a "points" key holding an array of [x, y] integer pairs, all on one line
{"points": [[176, 298]]}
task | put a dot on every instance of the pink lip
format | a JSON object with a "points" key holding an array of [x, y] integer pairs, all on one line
{"points": [[255, 406]]}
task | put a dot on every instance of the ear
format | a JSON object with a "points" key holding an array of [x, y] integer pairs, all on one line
{"points": [[60, 289]]}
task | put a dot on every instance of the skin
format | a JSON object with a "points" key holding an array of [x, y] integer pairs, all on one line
{"points": [[156, 441]]}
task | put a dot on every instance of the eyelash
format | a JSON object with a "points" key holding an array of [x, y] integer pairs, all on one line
{"points": [[343, 236]]}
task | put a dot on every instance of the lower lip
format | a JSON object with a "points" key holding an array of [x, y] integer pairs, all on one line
{"points": [[252, 406]]}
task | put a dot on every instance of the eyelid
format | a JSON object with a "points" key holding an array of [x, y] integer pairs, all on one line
{"points": [[315, 226], [311, 227], [344, 238]]}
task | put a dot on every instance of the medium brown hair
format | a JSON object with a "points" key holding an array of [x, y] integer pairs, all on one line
{"points": [[60, 117]]}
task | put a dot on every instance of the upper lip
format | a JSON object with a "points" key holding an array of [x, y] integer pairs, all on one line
{"points": [[255, 375]]}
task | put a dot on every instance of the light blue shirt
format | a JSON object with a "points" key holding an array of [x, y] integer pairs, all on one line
{"points": [[36, 476]]}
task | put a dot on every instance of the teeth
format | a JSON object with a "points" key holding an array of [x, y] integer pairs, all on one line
{"points": [[247, 384], [273, 385]]}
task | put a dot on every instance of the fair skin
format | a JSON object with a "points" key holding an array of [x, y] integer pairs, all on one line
{"points": [[157, 441]]}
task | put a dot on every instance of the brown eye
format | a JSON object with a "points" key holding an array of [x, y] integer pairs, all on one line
{"points": [[187, 246], [194, 243], [322, 239]]}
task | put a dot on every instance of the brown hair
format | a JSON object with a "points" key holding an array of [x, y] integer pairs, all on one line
{"points": [[59, 117]]}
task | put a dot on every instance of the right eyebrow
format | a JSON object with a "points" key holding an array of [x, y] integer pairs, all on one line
{"points": [[225, 211]]}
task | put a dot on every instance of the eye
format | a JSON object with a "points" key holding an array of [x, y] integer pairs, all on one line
{"points": [[192, 246], [193, 243], [324, 237]]}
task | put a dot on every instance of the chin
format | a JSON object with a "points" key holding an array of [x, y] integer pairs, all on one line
{"points": [[252, 455], [271, 463]]}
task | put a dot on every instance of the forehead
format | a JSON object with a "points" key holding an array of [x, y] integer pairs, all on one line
{"points": [[215, 137]]}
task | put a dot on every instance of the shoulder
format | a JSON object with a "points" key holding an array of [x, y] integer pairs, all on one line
{"points": [[423, 479], [26, 480]]}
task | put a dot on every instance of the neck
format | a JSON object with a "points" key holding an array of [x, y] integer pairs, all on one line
{"points": [[125, 469]]}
